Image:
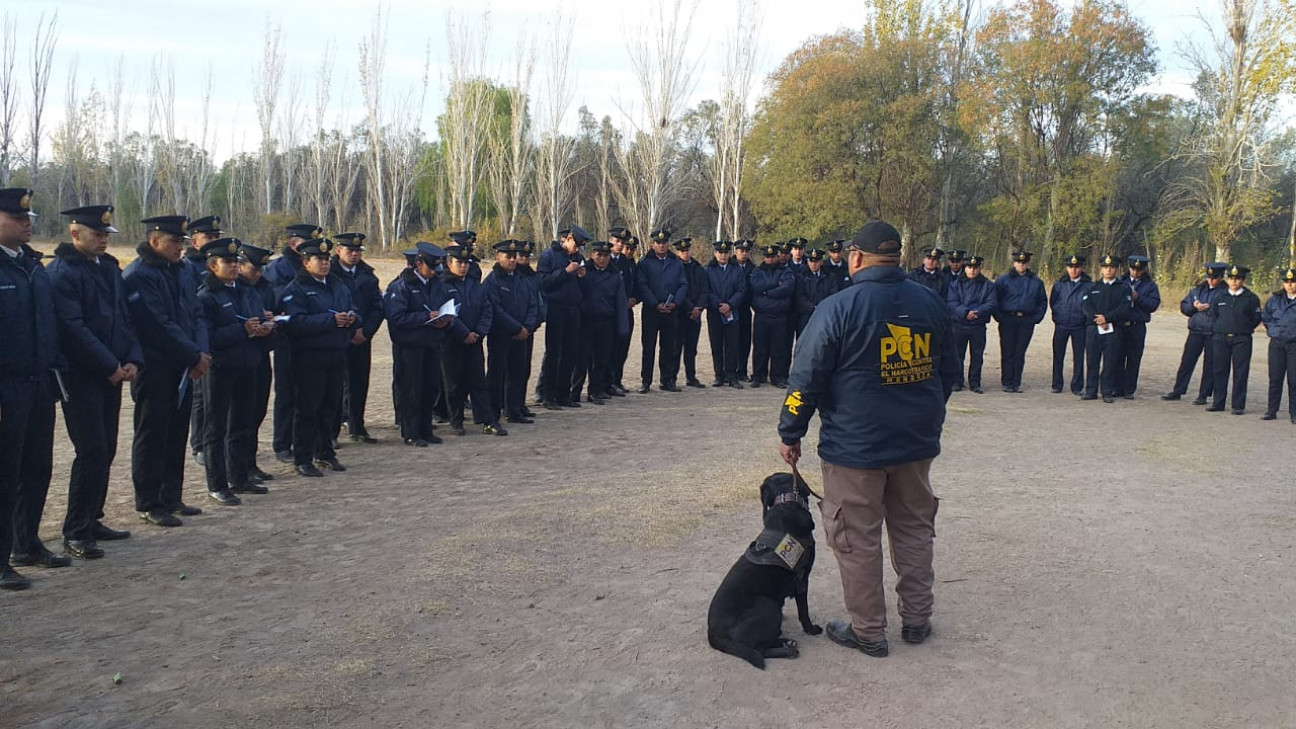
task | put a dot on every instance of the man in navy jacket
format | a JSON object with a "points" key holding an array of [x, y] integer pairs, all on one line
{"points": [[771, 286], [726, 297], [1197, 306], [349, 268], [1145, 298], [559, 272], [662, 288], [516, 312], [972, 301], [1279, 319], [1022, 304], [1069, 323]]}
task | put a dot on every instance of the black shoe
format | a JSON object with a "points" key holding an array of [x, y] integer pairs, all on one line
{"points": [[1017, 389], [200, 458], [441, 420], [1239, 411], [915, 633], [432, 439], [1215, 409], [184, 509], [1129, 397], [978, 391], [1269, 416], [778, 383], [735, 384], [1008, 390], [1087, 396], [417, 442], [493, 429], [108, 534], [1199, 401], [719, 383], [756, 383], [457, 429], [596, 400], [693, 383], [82, 548], [1108, 399], [161, 517], [528, 412], [12, 581], [670, 387], [573, 403], [645, 389], [330, 463], [613, 392], [42, 557], [284, 456], [261, 475], [551, 405], [1171, 396], [307, 470], [958, 388], [363, 438], [618, 387], [1055, 390], [841, 633], [335, 444], [225, 497], [250, 488], [519, 419]]}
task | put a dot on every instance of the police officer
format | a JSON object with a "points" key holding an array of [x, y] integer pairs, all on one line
{"points": [[527, 277], [1196, 305], [102, 351], [742, 258], [624, 262], [171, 329], [468, 239], [514, 321], [559, 271], [1069, 323], [662, 288], [726, 296], [771, 290], [796, 255], [321, 321], [463, 359], [1106, 306], [201, 232], [953, 270], [1022, 304], [690, 312], [929, 272], [29, 330], [235, 316], [972, 301], [835, 265], [874, 473], [1279, 318], [281, 272], [1146, 298], [1237, 314], [349, 267], [416, 329], [604, 319], [252, 261], [811, 288]]}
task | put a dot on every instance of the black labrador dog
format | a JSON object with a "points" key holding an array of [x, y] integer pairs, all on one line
{"points": [[746, 615]]}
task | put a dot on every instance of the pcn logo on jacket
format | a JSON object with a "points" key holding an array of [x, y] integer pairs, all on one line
{"points": [[906, 356]]}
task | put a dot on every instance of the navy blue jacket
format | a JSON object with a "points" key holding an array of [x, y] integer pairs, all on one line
{"points": [[29, 327], [266, 296], [226, 309], [310, 305], [475, 311], [514, 303], [629, 274], [936, 280], [283, 270], [877, 363], [971, 294], [94, 325], [771, 289], [1201, 322], [165, 310], [408, 302], [696, 278], [811, 289], [1112, 300], [726, 285], [194, 265], [1237, 314], [1279, 317], [365, 294], [838, 271], [529, 279], [1065, 301], [660, 279], [559, 287], [1021, 297], [604, 296], [1149, 297]]}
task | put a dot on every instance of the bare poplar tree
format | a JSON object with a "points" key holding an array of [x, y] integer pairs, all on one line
{"points": [[9, 98], [267, 77], [314, 177], [42, 65], [198, 171], [119, 113], [468, 110], [510, 158], [71, 151], [404, 163], [950, 144], [373, 57], [170, 163], [555, 163], [290, 136], [738, 71]]}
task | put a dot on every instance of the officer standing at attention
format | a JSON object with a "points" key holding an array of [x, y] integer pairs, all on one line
{"points": [[463, 360], [1022, 305], [929, 274], [416, 330], [726, 295], [972, 302], [252, 261], [604, 318], [321, 321], [1069, 323], [28, 390], [350, 268], [953, 271], [171, 329], [201, 232], [102, 351], [835, 266], [527, 275], [1279, 317], [1237, 314], [514, 321], [1196, 305], [624, 263], [281, 272], [796, 258], [811, 288], [1146, 298], [1106, 307], [771, 290], [742, 258], [875, 469], [468, 239], [690, 312], [662, 286], [559, 272]]}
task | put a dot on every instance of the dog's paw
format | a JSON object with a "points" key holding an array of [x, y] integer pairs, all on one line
{"points": [[813, 629], [788, 643]]}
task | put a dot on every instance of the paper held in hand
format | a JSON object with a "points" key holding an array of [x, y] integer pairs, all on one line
{"points": [[449, 308], [1106, 328]]}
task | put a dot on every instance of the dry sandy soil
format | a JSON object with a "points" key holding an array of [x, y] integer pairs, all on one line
{"points": [[1124, 565]]}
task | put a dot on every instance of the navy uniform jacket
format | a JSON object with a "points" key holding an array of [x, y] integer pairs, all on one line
{"points": [[934, 280], [771, 289], [604, 296], [838, 271], [1237, 314], [513, 301], [94, 325], [365, 295], [810, 289], [28, 324], [797, 268], [660, 279], [266, 296], [310, 305], [1021, 298], [408, 302], [475, 311], [877, 363], [1065, 301], [696, 278], [165, 310], [528, 276], [1149, 297], [971, 294], [1279, 317], [283, 270], [629, 273], [726, 285], [558, 286], [194, 265], [1112, 300], [1202, 322], [226, 308]]}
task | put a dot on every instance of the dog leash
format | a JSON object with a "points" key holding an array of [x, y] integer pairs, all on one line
{"points": [[797, 479]]}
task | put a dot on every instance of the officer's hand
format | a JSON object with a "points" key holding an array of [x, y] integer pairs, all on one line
{"points": [[268, 315], [200, 369], [117, 377], [471, 338], [441, 323], [661, 309], [252, 327], [1100, 320], [790, 453], [131, 372], [724, 309], [571, 267], [972, 316], [1133, 295], [358, 337], [633, 302], [1199, 306], [342, 319]]}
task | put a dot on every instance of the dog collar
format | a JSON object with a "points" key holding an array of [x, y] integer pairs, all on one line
{"points": [[791, 497]]}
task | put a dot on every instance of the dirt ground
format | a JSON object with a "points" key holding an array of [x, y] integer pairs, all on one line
{"points": [[1123, 565]]}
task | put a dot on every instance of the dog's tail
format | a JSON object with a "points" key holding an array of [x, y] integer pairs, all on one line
{"points": [[734, 648]]}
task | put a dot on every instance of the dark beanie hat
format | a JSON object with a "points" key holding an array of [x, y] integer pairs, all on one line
{"points": [[877, 237]]}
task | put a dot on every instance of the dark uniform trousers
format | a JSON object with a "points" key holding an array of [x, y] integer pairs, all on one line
{"points": [[317, 393], [398, 376], [1282, 364], [770, 352], [506, 374], [261, 403], [464, 366], [161, 436], [744, 339], [974, 339], [686, 343], [230, 394], [1102, 357], [417, 388], [598, 350], [663, 328], [284, 393], [91, 413], [562, 350], [1232, 351], [27, 437], [1078, 339], [1197, 345], [1014, 340], [355, 388], [1133, 339], [724, 345], [621, 352], [198, 416]]}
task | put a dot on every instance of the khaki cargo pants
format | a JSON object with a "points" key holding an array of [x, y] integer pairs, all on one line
{"points": [[856, 502]]}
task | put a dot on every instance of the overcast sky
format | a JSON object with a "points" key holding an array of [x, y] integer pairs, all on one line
{"points": [[227, 36]]}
